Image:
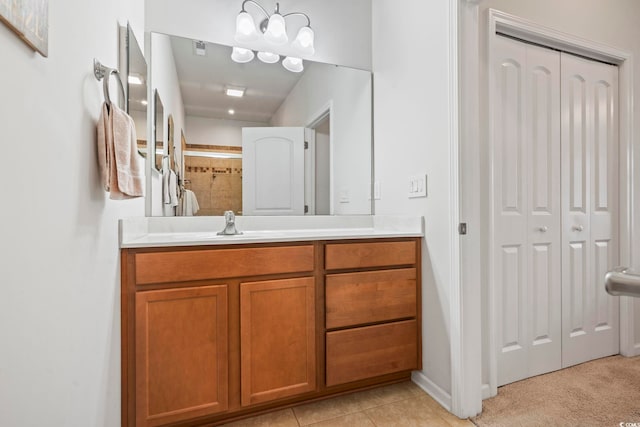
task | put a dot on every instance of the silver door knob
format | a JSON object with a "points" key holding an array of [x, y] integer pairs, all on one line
{"points": [[543, 229], [578, 228]]}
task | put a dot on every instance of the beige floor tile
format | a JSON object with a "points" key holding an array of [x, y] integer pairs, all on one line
{"points": [[383, 395], [443, 413], [283, 418], [414, 412], [452, 419], [359, 419], [415, 389], [327, 409]]}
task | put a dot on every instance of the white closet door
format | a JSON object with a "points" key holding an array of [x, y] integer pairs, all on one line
{"points": [[526, 209], [590, 206]]}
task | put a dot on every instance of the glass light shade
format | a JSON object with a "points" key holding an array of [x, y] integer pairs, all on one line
{"points": [[241, 55], [268, 57], [245, 28], [276, 32], [304, 41], [293, 64]]}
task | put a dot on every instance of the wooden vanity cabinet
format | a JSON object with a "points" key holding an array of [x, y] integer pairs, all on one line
{"points": [[209, 332], [216, 333], [372, 296]]}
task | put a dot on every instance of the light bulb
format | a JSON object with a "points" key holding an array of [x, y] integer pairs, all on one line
{"points": [[241, 55], [245, 28], [268, 57], [276, 30], [304, 41], [293, 64]]}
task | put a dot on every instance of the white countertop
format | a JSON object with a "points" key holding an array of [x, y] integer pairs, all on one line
{"points": [[196, 231]]}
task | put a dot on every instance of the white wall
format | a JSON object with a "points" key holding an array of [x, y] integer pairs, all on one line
{"points": [[164, 78], [613, 23], [59, 269], [348, 92], [411, 132], [342, 28], [209, 131]]}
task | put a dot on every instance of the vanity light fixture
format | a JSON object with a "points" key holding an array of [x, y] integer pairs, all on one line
{"points": [[293, 64], [235, 91], [268, 57], [242, 55], [273, 29]]}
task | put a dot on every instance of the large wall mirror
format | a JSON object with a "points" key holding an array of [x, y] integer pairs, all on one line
{"points": [[261, 140]]}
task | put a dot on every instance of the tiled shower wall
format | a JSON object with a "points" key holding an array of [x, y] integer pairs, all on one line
{"points": [[217, 184]]}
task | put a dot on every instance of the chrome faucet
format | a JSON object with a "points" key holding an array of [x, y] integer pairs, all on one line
{"points": [[230, 225]]}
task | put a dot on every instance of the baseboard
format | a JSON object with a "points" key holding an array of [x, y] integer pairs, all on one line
{"points": [[434, 390], [633, 352], [486, 391]]}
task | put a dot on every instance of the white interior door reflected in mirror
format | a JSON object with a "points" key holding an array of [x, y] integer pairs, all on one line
{"points": [[273, 176]]}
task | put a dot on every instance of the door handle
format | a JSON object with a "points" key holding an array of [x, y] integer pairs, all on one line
{"points": [[543, 229], [577, 228]]}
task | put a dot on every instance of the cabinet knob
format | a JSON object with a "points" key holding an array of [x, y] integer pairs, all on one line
{"points": [[578, 228], [543, 229]]}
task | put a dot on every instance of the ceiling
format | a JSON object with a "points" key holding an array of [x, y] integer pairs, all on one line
{"points": [[203, 80]]}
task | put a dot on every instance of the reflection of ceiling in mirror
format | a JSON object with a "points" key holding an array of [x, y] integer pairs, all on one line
{"points": [[203, 80], [138, 68]]}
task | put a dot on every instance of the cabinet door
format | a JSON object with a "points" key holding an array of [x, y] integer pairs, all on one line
{"points": [[181, 354], [277, 339]]}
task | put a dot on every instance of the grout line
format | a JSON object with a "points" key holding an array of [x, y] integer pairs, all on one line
{"points": [[295, 416], [369, 418]]}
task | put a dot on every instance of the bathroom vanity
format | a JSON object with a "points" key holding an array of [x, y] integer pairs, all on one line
{"points": [[216, 328]]}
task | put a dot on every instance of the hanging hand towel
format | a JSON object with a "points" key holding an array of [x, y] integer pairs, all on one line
{"points": [[173, 189], [104, 135], [130, 171], [191, 206]]}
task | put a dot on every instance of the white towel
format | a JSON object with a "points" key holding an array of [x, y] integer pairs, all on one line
{"points": [[128, 161], [121, 168], [173, 189], [190, 203]]}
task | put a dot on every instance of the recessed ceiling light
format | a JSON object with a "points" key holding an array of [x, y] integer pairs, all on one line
{"points": [[238, 92], [232, 112]]}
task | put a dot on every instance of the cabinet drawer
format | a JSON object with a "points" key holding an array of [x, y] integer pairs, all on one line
{"points": [[177, 266], [367, 297], [360, 353], [359, 255]]}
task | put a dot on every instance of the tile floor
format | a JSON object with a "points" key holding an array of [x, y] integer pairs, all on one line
{"points": [[397, 405]]}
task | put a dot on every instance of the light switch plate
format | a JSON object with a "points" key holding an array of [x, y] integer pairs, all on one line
{"points": [[418, 186]]}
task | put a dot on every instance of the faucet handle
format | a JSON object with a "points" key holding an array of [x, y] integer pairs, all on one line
{"points": [[229, 216]]}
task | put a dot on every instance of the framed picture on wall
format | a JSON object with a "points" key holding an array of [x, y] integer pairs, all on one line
{"points": [[29, 19]]}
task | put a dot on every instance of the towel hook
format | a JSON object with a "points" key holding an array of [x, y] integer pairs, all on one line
{"points": [[103, 73]]}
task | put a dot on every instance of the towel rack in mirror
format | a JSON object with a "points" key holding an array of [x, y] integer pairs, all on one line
{"points": [[103, 73]]}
